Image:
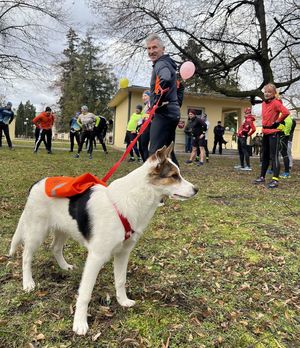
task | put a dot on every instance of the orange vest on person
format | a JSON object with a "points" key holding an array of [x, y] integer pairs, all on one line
{"points": [[66, 186]]}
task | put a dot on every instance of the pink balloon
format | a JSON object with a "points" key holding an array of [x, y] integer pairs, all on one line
{"points": [[187, 70]]}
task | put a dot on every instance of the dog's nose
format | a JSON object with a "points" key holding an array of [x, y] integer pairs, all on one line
{"points": [[195, 190]]}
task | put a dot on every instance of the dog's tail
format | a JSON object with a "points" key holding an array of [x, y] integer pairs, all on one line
{"points": [[17, 238]]}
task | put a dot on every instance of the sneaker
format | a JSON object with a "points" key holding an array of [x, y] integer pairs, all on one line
{"points": [[285, 175], [273, 184], [200, 164], [188, 162], [90, 156], [140, 159], [50, 153], [207, 159], [270, 171], [131, 159], [238, 166], [248, 169], [77, 155], [259, 180]]}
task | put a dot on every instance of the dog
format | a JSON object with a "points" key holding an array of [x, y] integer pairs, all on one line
{"points": [[134, 196]]}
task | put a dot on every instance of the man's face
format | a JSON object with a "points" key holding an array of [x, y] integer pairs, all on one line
{"points": [[155, 50], [48, 113]]}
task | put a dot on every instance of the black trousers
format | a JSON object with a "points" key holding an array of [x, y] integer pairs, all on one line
{"points": [[89, 137], [270, 151], [243, 152], [74, 135], [162, 133], [5, 128], [37, 134], [45, 135], [144, 141], [128, 139], [284, 151], [100, 137], [218, 141]]}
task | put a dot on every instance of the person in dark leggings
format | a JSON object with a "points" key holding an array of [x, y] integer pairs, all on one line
{"points": [[6, 118], [273, 113], [100, 132], [44, 121], [144, 139], [74, 131]]}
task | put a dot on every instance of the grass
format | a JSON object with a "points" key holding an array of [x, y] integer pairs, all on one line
{"points": [[221, 270]]}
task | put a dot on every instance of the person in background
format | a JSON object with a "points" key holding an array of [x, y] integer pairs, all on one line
{"points": [[219, 140], [285, 130], [246, 129], [131, 132], [290, 142], [167, 115], [100, 132], [188, 135], [86, 121], [144, 139], [199, 128], [44, 122], [273, 113], [204, 117], [6, 118], [74, 131], [256, 144]]}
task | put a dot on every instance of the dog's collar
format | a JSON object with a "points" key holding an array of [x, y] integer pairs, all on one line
{"points": [[127, 227]]}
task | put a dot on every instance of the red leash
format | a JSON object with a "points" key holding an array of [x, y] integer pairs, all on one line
{"points": [[133, 142]]}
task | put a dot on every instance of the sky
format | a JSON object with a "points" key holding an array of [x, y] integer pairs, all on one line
{"points": [[37, 89]]}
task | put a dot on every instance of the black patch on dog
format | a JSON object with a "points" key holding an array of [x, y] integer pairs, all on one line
{"points": [[78, 211], [30, 188]]}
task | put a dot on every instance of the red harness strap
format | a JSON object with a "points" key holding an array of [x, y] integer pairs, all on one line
{"points": [[127, 227]]}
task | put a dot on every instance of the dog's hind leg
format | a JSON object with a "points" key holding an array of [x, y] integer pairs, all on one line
{"points": [[120, 272], [92, 267], [17, 238], [57, 249], [36, 233]]}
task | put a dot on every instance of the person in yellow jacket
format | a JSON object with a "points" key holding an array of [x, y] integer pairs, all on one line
{"points": [[285, 130], [131, 132]]}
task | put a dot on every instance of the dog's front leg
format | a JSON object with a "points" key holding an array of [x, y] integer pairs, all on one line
{"points": [[120, 272], [92, 267]]}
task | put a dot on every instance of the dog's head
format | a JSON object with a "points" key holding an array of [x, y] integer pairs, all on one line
{"points": [[165, 175]]}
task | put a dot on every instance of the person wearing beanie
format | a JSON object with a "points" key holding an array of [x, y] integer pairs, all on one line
{"points": [[131, 132], [246, 129], [44, 122], [6, 118]]}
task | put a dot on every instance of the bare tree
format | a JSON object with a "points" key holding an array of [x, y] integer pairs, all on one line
{"points": [[258, 40], [25, 29]]}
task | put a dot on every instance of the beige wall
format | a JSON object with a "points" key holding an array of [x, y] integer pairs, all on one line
{"points": [[296, 141]]}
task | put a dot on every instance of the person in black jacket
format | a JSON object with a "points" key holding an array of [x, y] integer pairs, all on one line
{"points": [[163, 76], [6, 118], [100, 132], [199, 128], [219, 133]]}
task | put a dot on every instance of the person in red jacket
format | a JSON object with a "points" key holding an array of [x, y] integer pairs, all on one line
{"points": [[273, 113], [44, 121], [246, 129]]}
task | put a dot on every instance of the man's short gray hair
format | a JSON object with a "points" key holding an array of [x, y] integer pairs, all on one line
{"points": [[153, 37]]}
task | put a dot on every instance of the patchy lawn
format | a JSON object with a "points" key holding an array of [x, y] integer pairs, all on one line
{"points": [[220, 270]]}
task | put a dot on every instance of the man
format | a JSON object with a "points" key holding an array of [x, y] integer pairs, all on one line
{"points": [[100, 131], [44, 121], [87, 122], [163, 76], [204, 117], [218, 132], [6, 118]]}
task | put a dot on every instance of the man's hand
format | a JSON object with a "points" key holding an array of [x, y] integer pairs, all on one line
{"points": [[275, 125]]}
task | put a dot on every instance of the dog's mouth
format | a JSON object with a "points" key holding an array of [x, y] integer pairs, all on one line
{"points": [[179, 197]]}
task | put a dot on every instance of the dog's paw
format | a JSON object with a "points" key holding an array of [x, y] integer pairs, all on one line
{"points": [[80, 327], [127, 303], [29, 286], [68, 267]]}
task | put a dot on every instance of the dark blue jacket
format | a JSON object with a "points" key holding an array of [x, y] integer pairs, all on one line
{"points": [[6, 115]]}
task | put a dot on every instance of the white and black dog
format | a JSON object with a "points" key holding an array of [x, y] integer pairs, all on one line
{"points": [[135, 197]]}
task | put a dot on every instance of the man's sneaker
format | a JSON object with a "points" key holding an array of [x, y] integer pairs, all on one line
{"points": [[131, 159], [238, 166], [200, 164], [77, 155], [207, 159], [246, 169], [273, 184], [188, 162], [140, 159], [259, 180], [269, 171], [285, 175]]}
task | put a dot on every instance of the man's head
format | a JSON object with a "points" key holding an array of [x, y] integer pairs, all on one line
{"points": [[219, 123], [9, 105], [155, 47], [48, 110], [139, 109], [84, 109]]}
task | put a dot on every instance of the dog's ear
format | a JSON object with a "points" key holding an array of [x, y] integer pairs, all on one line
{"points": [[169, 149], [160, 154]]}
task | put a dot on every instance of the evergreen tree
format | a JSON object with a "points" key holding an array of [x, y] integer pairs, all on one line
{"points": [[24, 117], [20, 119]]}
